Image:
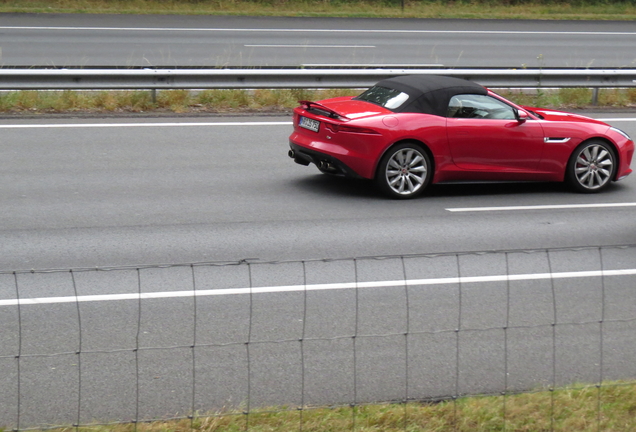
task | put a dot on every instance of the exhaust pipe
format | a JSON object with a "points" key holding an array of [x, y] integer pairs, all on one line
{"points": [[327, 166], [299, 159]]}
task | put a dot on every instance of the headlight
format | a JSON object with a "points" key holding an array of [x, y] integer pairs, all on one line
{"points": [[621, 132]]}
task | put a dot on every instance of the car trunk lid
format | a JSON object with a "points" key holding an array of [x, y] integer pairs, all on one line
{"points": [[344, 108]]}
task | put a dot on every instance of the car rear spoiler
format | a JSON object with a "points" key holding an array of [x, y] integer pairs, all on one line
{"points": [[305, 104]]}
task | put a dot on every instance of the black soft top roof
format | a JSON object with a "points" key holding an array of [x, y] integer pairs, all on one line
{"points": [[430, 94]]}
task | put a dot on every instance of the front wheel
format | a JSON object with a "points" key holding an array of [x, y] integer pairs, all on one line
{"points": [[404, 171], [592, 167]]}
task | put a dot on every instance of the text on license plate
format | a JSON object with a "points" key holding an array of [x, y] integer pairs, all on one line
{"points": [[307, 123]]}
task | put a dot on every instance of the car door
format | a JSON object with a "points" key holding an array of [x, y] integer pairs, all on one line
{"points": [[484, 134]]}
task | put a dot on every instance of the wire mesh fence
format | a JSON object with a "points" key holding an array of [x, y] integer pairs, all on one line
{"points": [[243, 339]]}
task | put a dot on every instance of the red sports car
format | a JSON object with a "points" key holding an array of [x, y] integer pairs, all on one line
{"points": [[410, 131]]}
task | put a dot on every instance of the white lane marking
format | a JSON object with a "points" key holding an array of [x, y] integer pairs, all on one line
{"points": [[540, 207], [309, 46], [309, 30], [375, 65], [617, 119], [316, 287], [118, 125], [184, 124]]}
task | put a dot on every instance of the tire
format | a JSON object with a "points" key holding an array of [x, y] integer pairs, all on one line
{"points": [[592, 167], [404, 171]]}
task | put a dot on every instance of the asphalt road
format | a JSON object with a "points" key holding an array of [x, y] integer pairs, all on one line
{"points": [[127, 40], [80, 193], [91, 192], [163, 357]]}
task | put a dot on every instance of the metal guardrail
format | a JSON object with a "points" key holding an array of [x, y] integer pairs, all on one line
{"points": [[162, 79]]}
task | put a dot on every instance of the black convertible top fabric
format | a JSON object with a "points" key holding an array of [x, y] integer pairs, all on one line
{"points": [[430, 94]]}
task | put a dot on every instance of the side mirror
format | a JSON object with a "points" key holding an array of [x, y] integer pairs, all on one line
{"points": [[522, 116]]}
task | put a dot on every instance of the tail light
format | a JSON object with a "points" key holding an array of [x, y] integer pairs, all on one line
{"points": [[335, 128]]}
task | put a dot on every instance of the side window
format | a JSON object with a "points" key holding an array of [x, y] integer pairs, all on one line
{"points": [[479, 106]]}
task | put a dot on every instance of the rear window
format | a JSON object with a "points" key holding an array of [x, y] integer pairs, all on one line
{"points": [[383, 96]]}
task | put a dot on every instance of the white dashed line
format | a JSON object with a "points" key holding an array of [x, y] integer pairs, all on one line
{"points": [[540, 207], [308, 46]]}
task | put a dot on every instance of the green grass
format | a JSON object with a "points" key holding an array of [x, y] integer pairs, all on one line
{"points": [[610, 408], [256, 101], [490, 9], [573, 98], [171, 101]]}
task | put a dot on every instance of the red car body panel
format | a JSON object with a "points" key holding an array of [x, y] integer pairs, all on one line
{"points": [[580, 129], [535, 148]]}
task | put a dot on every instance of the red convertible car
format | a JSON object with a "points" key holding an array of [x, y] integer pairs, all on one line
{"points": [[410, 131]]}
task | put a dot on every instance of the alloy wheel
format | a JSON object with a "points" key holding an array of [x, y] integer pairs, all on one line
{"points": [[594, 166], [406, 171]]}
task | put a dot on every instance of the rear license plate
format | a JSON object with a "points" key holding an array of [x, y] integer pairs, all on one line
{"points": [[307, 123]]}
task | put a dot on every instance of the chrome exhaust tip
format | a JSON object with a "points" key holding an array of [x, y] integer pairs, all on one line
{"points": [[291, 154]]}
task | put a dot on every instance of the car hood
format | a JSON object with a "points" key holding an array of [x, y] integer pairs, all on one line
{"points": [[354, 109], [560, 116]]}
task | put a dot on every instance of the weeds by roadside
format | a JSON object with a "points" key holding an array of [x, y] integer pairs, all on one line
{"points": [[475, 9], [173, 101], [582, 408], [258, 101], [572, 98]]}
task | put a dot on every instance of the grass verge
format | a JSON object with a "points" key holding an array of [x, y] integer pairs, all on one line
{"points": [[168, 101], [609, 408], [257, 101], [624, 10]]}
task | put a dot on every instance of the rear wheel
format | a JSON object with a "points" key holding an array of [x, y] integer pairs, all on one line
{"points": [[404, 171], [592, 166]]}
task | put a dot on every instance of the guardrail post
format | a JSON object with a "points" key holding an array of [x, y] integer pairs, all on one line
{"points": [[595, 96], [153, 95]]}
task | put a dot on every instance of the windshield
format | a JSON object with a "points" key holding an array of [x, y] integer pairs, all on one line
{"points": [[383, 96]]}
